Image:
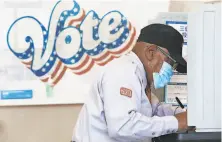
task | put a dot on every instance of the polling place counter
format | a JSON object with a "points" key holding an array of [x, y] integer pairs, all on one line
{"points": [[190, 137]]}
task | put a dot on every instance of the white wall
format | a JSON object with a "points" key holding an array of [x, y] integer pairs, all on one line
{"points": [[138, 12]]}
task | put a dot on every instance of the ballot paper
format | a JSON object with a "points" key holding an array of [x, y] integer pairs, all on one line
{"points": [[177, 87]]}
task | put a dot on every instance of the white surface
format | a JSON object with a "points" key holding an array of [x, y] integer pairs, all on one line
{"points": [[176, 90], [177, 87], [162, 17], [179, 78], [72, 88], [204, 68]]}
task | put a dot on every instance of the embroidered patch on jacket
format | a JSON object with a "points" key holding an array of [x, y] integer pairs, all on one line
{"points": [[126, 92]]}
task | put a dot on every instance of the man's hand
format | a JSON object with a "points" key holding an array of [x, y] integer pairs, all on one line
{"points": [[182, 120]]}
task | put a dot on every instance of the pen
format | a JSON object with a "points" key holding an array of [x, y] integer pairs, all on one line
{"points": [[179, 102]]}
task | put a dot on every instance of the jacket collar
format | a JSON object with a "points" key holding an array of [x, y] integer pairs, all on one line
{"points": [[136, 60]]}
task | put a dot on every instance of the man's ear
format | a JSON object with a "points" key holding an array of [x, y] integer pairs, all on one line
{"points": [[149, 52]]}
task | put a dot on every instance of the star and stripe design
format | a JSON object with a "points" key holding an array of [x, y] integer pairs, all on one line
{"points": [[80, 63]]}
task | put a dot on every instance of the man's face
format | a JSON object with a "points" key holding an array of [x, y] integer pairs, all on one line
{"points": [[154, 59], [158, 59]]}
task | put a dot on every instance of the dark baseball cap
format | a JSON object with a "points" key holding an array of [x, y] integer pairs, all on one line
{"points": [[167, 37]]}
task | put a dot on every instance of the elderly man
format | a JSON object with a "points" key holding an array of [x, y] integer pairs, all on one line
{"points": [[120, 107]]}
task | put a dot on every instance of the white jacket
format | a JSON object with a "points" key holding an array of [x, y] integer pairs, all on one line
{"points": [[118, 109]]}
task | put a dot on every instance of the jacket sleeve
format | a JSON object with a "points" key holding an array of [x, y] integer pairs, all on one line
{"points": [[122, 101], [162, 109]]}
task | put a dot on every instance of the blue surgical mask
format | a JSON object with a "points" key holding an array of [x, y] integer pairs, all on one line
{"points": [[163, 77]]}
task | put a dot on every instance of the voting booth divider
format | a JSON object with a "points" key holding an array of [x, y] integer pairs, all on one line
{"points": [[204, 77]]}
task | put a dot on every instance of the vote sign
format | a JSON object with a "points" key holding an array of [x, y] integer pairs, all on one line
{"points": [[72, 40]]}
